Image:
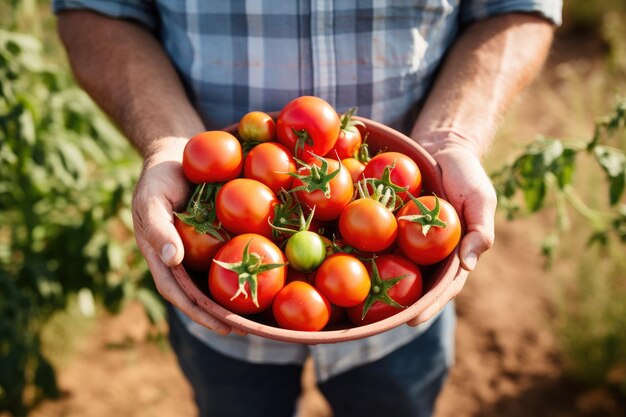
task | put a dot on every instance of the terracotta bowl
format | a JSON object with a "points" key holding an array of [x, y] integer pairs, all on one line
{"points": [[436, 278]]}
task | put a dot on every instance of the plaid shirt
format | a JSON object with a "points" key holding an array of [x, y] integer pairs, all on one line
{"points": [[239, 56]]}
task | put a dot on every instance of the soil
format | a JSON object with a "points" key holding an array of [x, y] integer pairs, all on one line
{"points": [[507, 361]]}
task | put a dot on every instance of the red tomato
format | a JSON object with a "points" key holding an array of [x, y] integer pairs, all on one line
{"points": [[367, 225], [308, 124], [438, 242], [343, 279], [258, 262], [270, 163], [349, 139], [355, 167], [299, 306], [244, 206], [404, 174], [256, 126], [340, 192], [214, 156], [404, 291], [199, 247]]}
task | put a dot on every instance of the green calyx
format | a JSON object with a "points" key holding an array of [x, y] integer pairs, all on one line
{"points": [[247, 270], [289, 217], [379, 291], [302, 139], [371, 188], [200, 212], [318, 177], [384, 189], [347, 122], [428, 218]]}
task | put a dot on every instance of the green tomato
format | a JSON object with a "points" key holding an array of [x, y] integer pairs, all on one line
{"points": [[305, 251]]}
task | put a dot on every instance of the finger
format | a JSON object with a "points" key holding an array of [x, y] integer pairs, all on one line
{"points": [[153, 221], [479, 216], [451, 291], [171, 291]]}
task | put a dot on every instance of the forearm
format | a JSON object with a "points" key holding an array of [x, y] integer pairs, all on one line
{"points": [[489, 65], [126, 71]]}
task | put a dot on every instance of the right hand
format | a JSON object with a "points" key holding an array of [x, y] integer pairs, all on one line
{"points": [[161, 189]]}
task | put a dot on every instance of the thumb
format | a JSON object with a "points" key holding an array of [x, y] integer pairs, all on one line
{"points": [[153, 223], [480, 231]]}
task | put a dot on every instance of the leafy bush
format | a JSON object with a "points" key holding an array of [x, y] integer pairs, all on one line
{"points": [[591, 314], [66, 179]]}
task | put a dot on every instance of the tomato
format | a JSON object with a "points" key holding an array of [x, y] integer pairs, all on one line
{"points": [[214, 156], [396, 284], [270, 164], [405, 172], [354, 167], [433, 241], [308, 124], [247, 273], [343, 279], [349, 139], [199, 247], [339, 191], [305, 251], [367, 225], [256, 126], [244, 206], [299, 306]]}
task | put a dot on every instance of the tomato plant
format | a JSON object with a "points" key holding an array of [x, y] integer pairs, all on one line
{"points": [[270, 163], [256, 126], [428, 229], [324, 185], [299, 306], [308, 124], [396, 284], [246, 206], [214, 156], [402, 172], [247, 273], [343, 279]]}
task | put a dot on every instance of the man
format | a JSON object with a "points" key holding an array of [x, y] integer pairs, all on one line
{"points": [[441, 71]]}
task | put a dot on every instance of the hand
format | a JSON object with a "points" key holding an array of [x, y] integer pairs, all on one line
{"points": [[469, 190], [162, 188]]}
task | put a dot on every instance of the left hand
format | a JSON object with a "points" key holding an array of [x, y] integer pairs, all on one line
{"points": [[468, 188]]}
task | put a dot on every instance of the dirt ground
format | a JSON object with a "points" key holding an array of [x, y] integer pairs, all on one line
{"points": [[506, 363]]}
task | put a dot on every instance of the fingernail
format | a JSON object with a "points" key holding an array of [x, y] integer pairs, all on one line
{"points": [[167, 253], [470, 260]]}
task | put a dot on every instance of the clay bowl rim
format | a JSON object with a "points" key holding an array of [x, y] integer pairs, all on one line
{"points": [[441, 277]]}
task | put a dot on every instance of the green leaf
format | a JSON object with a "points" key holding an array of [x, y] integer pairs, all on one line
{"points": [[564, 167], [534, 193], [45, 377], [153, 304], [613, 162], [616, 188]]}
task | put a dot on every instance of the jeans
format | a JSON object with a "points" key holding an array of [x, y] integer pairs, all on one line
{"points": [[404, 383]]}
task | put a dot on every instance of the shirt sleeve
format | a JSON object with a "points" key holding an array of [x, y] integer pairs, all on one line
{"points": [[480, 9], [142, 11]]}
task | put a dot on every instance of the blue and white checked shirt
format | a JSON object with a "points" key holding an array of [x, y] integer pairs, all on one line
{"points": [[238, 56]]}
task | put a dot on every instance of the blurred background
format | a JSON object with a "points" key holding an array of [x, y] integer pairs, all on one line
{"points": [[542, 321]]}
